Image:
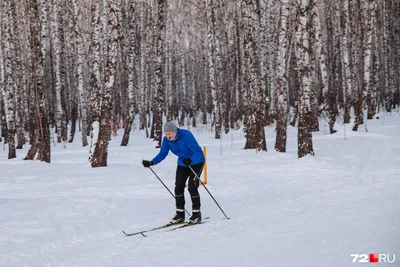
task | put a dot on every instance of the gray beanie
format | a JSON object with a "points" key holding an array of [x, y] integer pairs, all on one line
{"points": [[170, 127]]}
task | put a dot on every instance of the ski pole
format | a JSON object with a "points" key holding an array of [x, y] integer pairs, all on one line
{"points": [[198, 178], [165, 186]]}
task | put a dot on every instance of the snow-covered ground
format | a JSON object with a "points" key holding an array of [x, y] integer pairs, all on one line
{"points": [[284, 211]]}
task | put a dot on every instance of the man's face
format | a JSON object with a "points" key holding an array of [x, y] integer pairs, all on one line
{"points": [[170, 135]]}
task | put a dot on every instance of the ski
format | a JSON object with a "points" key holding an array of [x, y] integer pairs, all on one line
{"points": [[179, 226], [186, 224], [152, 229]]}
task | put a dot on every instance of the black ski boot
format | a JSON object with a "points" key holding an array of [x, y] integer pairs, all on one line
{"points": [[196, 217], [179, 217]]}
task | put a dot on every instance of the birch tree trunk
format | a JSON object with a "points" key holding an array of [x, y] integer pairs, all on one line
{"points": [[133, 54], [3, 124], [294, 83], [143, 69], [95, 74], [168, 63], [159, 73], [101, 150], [372, 101], [56, 50], [348, 89], [305, 146], [41, 144], [213, 57], [329, 84], [9, 81], [18, 23], [281, 80], [183, 89], [254, 115], [327, 92], [63, 74], [273, 19], [71, 65], [80, 68], [264, 56], [239, 96], [368, 7]]}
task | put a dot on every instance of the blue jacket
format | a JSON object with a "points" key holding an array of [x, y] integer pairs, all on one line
{"points": [[184, 146]]}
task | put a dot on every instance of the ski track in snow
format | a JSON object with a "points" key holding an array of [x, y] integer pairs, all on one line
{"points": [[284, 211]]}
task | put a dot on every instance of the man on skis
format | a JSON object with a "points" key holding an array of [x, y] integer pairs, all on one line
{"points": [[182, 143]]}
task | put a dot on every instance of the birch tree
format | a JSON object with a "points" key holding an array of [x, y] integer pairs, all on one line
{"points": [[348, 85], [254, 114], [9, 80], [2, 74], [368, 8], [143, 66], [80, 68], [214, 58], [372, 101], [101, 151], [41, 144], [18, 73], [329, 90], [159, 73], [304, 137], [281, 80], [56, 50], [265, 55], [169, 41], [133, 54], [95, 74]]}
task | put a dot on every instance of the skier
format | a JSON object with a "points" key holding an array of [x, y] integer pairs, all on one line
{"points": [[183, 144]]}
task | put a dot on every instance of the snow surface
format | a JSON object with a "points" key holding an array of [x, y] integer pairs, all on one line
{"points": [[284, 211]]}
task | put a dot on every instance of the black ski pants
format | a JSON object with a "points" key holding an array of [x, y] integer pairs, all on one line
{"points": [[182, 175]]}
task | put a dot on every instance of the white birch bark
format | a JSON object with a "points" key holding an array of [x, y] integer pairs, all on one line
{"points": [[373, 103], [44, 147], [159, 73], [264, 55], [281, 79], [348, 89], [43, 13], [214, 56], [100, 154], [368, 9], [143, 69], [321, 55], [56, 49], [80, 68], [254, 114], [370, 12], [38, 16], [96, 64], [9, 81], [305, 73], [168, 62], [183, 91], [273, 19], [95, 74], [18, 26], [2, 74], [132, 57]]}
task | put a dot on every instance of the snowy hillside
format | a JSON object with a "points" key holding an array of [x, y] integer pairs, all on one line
{"points": [[284, 211]]}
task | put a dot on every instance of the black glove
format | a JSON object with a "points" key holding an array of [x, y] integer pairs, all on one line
{"points": [[187, 161], [147, 163]]}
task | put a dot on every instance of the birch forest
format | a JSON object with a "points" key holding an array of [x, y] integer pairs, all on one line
{"points": [[95, 66]]}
